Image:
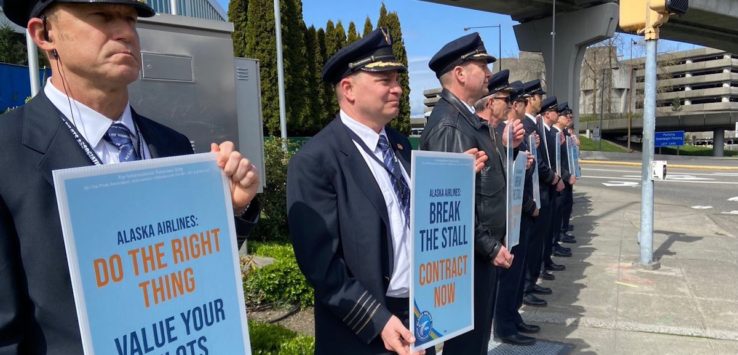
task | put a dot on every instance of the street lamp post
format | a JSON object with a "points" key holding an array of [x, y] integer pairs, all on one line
{"points": [[499, 40]]}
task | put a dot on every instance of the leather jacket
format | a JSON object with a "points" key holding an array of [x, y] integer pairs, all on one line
{"points": [[452, 127]]}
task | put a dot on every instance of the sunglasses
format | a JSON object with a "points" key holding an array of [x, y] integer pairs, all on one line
{"points": [[505, 98]]}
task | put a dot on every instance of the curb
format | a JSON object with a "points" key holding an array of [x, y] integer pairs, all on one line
{"points": [[677, 166]]}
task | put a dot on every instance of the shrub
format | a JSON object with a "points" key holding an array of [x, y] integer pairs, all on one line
{"points": [[266, 339], [300, 345], [281, 283], [272, 250], [272, 339], [273, 223]]}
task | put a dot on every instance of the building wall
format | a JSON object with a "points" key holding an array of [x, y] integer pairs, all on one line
{"points": [[205, 9], [690, 82]]}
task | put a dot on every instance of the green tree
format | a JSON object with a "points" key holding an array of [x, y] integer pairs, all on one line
{"points": [[295, 65], [335, 39], [326, 90], [12, 47], [237, 14], [314, 91], [261, 45], [260, 39], [352, 36], [368, 27], [391, 21]]}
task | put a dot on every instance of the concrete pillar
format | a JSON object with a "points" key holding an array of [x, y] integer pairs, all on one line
{"points": [[575, 31], [718, 142]]}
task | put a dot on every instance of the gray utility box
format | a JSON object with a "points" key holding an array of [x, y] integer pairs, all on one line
{"points": [[191, 82]]}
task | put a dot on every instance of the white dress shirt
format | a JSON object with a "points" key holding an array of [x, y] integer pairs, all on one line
{"points": [[470, 107], [399, 285], [92, 125]]}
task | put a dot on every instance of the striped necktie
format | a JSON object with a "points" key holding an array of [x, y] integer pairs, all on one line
{"points": [[402, 190]]}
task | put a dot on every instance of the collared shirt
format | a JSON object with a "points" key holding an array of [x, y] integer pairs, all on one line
{"points": [[93, 125], [399, 285], [470, 107]]}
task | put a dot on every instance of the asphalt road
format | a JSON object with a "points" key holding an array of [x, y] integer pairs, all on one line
{"points": [[708, 191]]}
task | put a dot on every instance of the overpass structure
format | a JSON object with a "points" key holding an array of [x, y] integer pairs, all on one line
{"points": [[580, 23]]}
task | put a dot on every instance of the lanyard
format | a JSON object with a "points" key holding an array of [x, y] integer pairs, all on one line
{"points": [[357, 139], [82, 142]]}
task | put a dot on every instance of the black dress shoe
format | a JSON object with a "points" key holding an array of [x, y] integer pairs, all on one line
{"points": [[560, 252], [554, 267], [561, 248], [532, 300], [547, 276], [528, 328], [541, 290], [571, 228], [567, 239], [518, 339]]}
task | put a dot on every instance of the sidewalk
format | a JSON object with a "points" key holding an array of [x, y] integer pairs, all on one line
{"points": [[603, 304]]}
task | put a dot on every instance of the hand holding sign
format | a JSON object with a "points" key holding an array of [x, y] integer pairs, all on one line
{"points": [[243, 178], [518, 134], [397, 338], [480, 157], [503, 259]]}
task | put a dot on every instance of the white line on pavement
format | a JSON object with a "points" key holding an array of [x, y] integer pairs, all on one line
{"points": [[669, 181], [698, 207], [733, 199], [733, 212], [620, 184]]}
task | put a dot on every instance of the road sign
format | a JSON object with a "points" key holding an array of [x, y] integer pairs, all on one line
{"points": [[669, 139]]}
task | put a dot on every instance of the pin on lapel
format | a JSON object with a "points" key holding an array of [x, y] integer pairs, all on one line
{"points": [[399, 146]]}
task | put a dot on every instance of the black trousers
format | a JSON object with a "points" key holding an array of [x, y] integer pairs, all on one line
{"points": [[567, 208], [540, 234], [510, 288], [475, 342], [554, 227]]}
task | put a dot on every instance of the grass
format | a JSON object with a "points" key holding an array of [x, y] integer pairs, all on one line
{"points": [[590, 145], [694, 151]]}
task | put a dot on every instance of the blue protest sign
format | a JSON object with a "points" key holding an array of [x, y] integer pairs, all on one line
{"points": [[442, 246], [152, 256], [570, 156], [515, 202], [536, 187], [558, 152]]}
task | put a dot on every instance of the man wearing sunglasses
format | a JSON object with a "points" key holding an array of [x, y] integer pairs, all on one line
{"points": [[453, 126]]}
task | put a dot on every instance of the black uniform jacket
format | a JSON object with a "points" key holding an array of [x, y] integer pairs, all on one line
{"points": [[453, 128], [340, 230], [37, 311]]}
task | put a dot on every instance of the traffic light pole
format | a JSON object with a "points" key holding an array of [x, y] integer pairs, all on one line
{"points": [[649, 125]]}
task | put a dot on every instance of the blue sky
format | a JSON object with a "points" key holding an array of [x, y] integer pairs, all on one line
{"points": [[426, 27]]}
